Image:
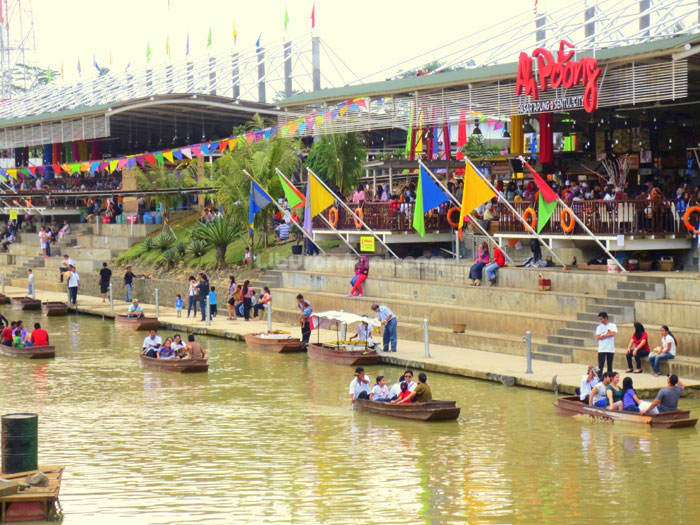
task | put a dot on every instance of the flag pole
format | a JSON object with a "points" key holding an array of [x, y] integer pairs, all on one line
{"points": [[502, 198], [357, 219], [306, 234], [455, 201], [581, 223], [323, 218]]}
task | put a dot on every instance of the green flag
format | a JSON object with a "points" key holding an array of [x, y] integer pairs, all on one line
{"points": [[294, 196], [48, 75], [544, 212], [209, 38], [286, 19], [148, 52]]}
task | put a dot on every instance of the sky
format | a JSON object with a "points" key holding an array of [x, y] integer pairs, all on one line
{"points": [[367, 34]]}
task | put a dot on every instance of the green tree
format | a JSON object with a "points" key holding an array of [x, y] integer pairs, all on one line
{"points": [[338, 159], [219, 234], [159, 178]]}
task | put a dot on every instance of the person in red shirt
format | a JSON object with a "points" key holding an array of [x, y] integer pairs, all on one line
{"points": [[6, 334], [405, 392], [498, 260], [39, 337]]}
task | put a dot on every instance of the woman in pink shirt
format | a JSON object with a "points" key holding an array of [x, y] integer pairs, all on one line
{"points": [[247, 293], [482, 259], [359, 196]]}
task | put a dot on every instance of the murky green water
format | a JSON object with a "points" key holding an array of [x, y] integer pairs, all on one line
{"points": [[270, 438]]}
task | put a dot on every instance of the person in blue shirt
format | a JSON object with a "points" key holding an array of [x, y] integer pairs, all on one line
{"points": [[388, 319], [178, 305], [212, 301]]}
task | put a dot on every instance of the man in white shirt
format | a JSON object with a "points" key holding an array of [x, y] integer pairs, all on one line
{"points": [[588, 381], [359, 386], [67, 263], [73, 285], [151, 344], [364, 333], [388, 319], [605, 334]]}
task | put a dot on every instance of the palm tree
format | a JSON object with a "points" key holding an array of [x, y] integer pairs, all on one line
{"points": [[159, 178], [218, 234], [338, 159]]}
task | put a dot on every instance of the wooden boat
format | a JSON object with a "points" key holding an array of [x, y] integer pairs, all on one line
{"points": [[29, 352], [333, 354], [25, 303], [182, 366], [54, 308], [573, 406], [279, 343], [431, 411], [4, 299], [35, 503], [136, 323]]}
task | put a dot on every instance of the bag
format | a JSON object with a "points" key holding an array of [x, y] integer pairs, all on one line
{"points": [[353, 280]]}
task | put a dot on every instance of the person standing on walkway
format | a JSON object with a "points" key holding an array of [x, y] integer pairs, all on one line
{"points": [[667, 350], [230, 301], [67, 263], [305, 319], [193, 296], [128, 280], [30, 282], [43, 240], [203, 290], [247, 293], [388, 319], [73, 285], [605, 334], [105, 277]]}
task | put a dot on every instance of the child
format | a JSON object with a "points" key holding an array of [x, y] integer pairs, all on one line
{"points": [[630, 401], [30, 282], [405, 392], [212, 301], [380, 392], [178, 305]]}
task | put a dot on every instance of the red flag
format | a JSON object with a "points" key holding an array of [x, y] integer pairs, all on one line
{"points": [[547, 192], [313, 16]]}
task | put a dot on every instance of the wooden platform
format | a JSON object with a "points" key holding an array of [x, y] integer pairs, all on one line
{"points": [[46, 497]]}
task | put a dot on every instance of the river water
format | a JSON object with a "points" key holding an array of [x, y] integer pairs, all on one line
{"points": [[270, 438]]}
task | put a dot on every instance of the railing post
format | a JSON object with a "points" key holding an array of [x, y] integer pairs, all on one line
{"points": [[425, 338], [157, 305], [528, 352], [2, 277], [269, 317], [111, 298], [208, 312]]}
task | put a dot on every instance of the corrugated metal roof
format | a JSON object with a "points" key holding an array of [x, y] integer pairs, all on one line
{"points": [[479, 74]]}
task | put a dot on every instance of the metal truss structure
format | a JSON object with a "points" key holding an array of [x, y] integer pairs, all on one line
{"points": [[18, 72], [590, 25]]}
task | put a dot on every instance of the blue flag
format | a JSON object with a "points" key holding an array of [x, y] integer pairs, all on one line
{"points": [[257, 44], [428, 196], [258, 200]]}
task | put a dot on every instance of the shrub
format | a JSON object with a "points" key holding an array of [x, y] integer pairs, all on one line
{"points": [[197, 248], [149, 243], [163, 241]]}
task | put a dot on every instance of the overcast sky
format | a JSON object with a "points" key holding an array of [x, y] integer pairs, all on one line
{"points": [[367, 34]]}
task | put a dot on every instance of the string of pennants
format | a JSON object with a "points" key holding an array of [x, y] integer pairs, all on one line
{"points": [[297, 128]]}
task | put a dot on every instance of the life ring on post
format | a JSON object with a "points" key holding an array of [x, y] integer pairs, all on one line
{"points": [[454, 222], [530, 217], [333, 216], [566, 219], [361, 215], [686, 218]]}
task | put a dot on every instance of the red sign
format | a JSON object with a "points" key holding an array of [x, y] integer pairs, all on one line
{"points": [[559, 73]]}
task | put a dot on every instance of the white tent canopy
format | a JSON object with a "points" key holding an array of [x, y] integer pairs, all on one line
{"points": [[334, 317]]}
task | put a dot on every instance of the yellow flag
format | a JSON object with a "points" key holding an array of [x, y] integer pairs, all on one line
{"points": [[167, 46], [113, 165], [476, 192], [319, 197], [169, 156]]}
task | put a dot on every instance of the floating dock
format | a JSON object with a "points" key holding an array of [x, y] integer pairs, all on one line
{"points": [[33, 503]]}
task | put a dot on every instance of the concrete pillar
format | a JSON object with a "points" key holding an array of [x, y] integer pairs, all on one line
{"points": [[200, 178], [541, 34], [316, 62], [212, 75], [590, 24], [130, 204], [288, 69], [644, 20], [261, 75], [235, 79]]}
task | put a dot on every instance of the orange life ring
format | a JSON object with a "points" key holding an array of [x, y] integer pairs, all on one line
{"points": [[333, 216], [567, 214], [453, 222], [361, 215], [530, 217], [686, 218]]}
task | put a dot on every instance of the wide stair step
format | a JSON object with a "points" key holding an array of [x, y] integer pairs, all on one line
{"points": [[628, 294], [554, 353], [629, 303], [645, 279], [567, 340], [643, 287]]}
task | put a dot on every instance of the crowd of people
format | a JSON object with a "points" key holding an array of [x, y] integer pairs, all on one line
{"points": [[173, 347]]}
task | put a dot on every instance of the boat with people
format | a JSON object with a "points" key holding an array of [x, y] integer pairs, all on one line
{"points": [[341, 355], [25, 303], [29, 352], [54, 308], [181, 366], [275, 341], [350, 352], [573, 406], [430, 411], [136, 323]]}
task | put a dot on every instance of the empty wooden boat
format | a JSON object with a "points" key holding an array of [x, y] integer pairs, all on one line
{"points": [[430, 411], [280, 343], [339, 356], [136, 323], [25, 303], [54, 308], [181, 366], [29, 352], [573, 406]]}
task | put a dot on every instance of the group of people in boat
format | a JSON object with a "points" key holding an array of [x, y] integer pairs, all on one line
{"points": [[173, 347], [610, 395], [405, 390], [15, 334]]}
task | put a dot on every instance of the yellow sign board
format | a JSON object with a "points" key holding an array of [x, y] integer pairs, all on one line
{"points": [[366, 244], [13, 215]]}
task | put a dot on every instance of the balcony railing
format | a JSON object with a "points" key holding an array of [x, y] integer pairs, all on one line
{"points": [[382, 216]]}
